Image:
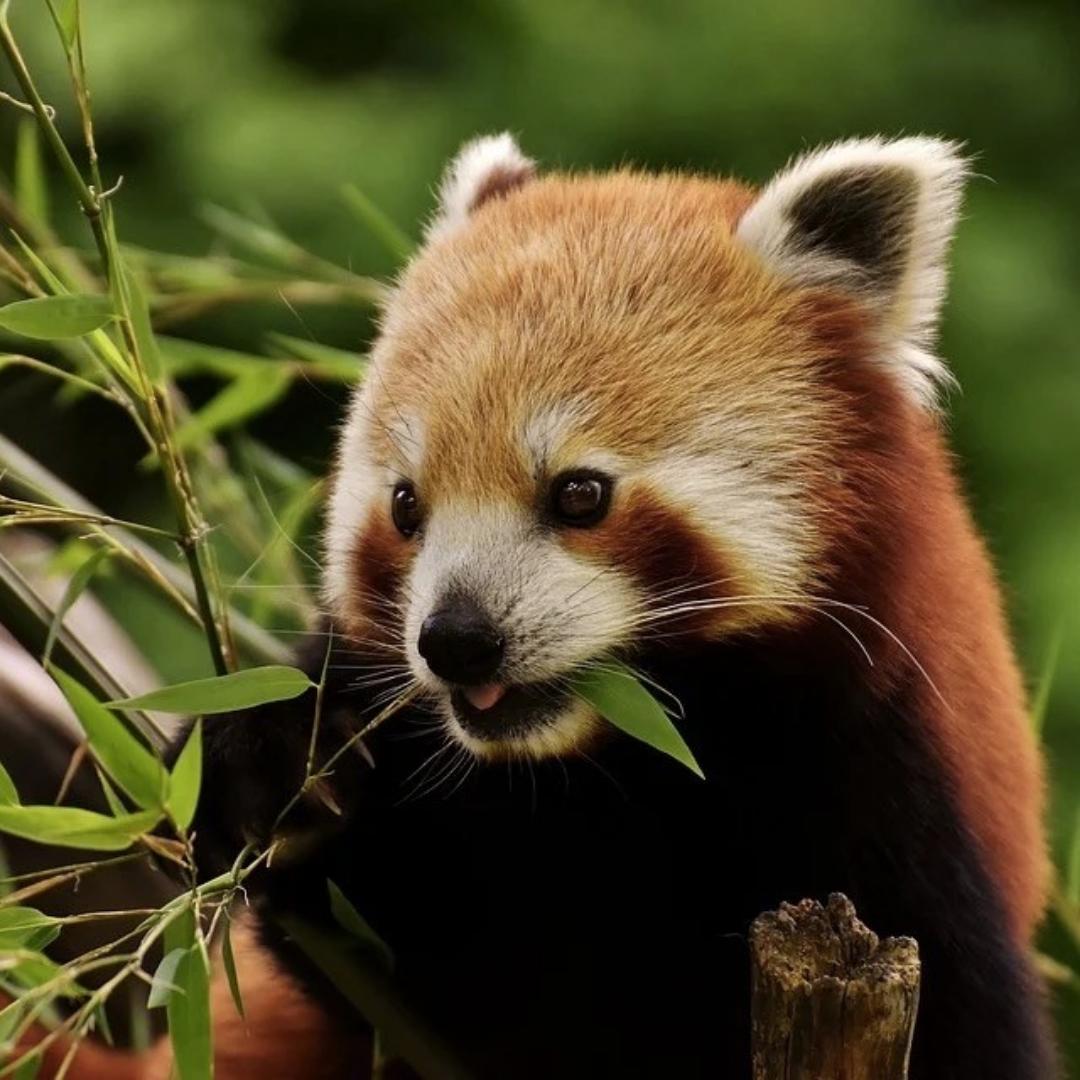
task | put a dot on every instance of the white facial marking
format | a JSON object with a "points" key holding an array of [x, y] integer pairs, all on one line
{"points": [[554, 609], [359, 483]]}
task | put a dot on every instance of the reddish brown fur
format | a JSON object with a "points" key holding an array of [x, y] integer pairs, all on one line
{"points": [[904, 546], [631, 291], [381, 560], [283, 1035], [663, 551]]}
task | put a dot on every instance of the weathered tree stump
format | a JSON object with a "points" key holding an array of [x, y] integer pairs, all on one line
{"points": [[830, 1001]]}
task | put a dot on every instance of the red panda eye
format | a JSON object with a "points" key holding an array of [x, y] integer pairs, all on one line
{"points": [[580, 498], [405, 508]]}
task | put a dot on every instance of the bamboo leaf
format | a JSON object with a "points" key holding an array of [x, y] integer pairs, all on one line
{"points": [[186, 780], [8, 795], [1072, 868], [26, 928], [117, 808], [393, 238], [163, 985], [246, 396], [229, 961], [31, 968], [183, 358], [50, 318], [68, 11], [101, 1024], [76, 586], [224, 693], [348, 918], [323, 361], [70, 826], [31, 193], [620, 698], [145, 341], [121, 755], [188, 1006], [1040, 700], [29, 1068], [254, 236], [48, 276]]}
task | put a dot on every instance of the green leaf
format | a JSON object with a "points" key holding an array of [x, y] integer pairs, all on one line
{"points": [[229, 961], [323, 361], [188, 1007], [348, 918], [134, 768], [184, 358], [26, 928], [32, 968], [76, 586], [618, 696], [1072, 868], [164, 985], [115, 804], [101, 1023], [50, 318], [394, 239], [224, 693], [246, 396], [8, 795], [254, 237], [48, 276], [31, 193], [186, 779], [70, 826], [1040, 700], [68, 11], [145, 341], [30, 1067]]}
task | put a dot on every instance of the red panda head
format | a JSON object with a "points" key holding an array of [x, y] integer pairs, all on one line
{"points": [[611, 410]]}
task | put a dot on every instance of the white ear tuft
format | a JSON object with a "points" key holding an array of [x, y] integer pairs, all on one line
{"points": [[486, 168], [874, 217]]}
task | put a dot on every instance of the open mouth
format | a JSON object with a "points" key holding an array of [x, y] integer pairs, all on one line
{"points": [[497, 712]]}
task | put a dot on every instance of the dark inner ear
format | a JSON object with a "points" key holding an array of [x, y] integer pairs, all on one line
{"points": [[499, 182], [865, 216]]}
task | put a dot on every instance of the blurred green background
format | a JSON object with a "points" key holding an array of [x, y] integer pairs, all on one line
{"points": [[276, 104]]}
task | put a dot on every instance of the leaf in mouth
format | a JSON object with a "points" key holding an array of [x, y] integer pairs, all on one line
{"points": [[620, 698]]}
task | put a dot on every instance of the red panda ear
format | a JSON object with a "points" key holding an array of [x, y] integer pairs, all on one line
{"points": [[484, 169], [873, 217]]}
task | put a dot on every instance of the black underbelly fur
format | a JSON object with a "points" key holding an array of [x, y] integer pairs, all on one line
{"points": [[588, 917]]}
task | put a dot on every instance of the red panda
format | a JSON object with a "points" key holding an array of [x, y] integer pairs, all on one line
{"points": [[695, 426]]}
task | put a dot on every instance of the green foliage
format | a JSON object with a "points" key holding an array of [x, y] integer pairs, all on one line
{"points": [[358, 928], [228, 959], [618, 696], [8, 795], [126, 761], [188, 1004], [31, 194], [186, 780], [26, 928], [225, 693], [76, 586], [54, 317], [70, 826]]}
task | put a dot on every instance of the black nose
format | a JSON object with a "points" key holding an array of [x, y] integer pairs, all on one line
{"points": [[460, 644]]}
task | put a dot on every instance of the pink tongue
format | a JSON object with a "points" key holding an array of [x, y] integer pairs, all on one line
{"points": [[484, 696]]}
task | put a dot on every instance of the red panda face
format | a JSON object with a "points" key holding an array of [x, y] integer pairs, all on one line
{"points": [[599, 419]]}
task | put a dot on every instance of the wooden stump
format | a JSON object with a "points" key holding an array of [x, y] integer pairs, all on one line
{"points": [[830, 1001]]}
